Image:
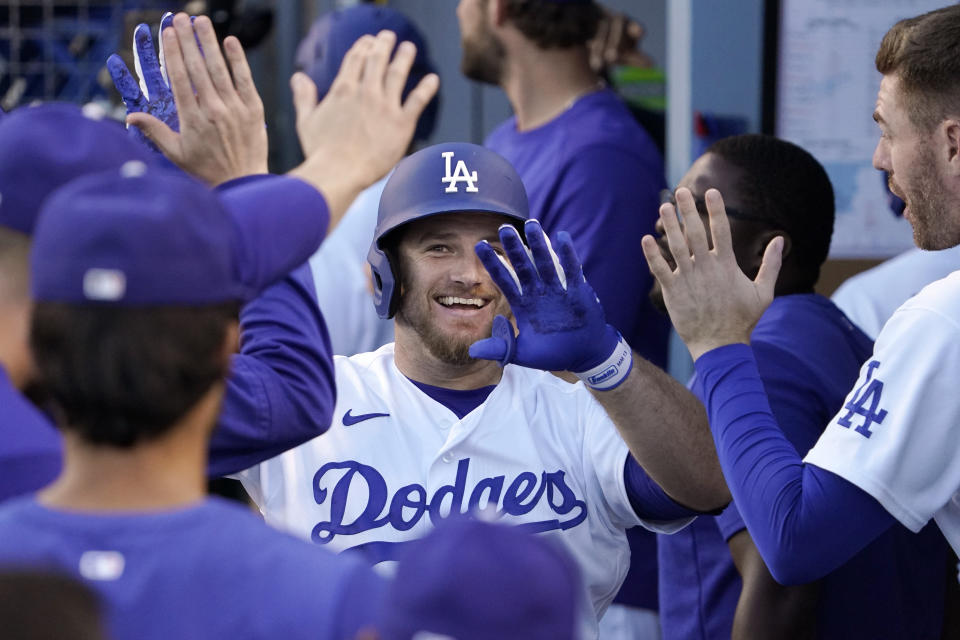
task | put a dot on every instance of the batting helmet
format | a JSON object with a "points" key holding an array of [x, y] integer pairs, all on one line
{"points": [[445, 178]]}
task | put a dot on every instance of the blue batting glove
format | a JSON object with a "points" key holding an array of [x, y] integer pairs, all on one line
{"points": [[560, 320], [152, 93]]}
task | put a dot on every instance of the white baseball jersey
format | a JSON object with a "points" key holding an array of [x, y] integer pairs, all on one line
{"points": [[898, 435], [871, 297], [539, 452]]}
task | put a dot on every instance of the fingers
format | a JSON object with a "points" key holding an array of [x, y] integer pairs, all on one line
{"points": [[156, 131], [569, 260], [146, 63], [398, 70], [351, 69], [490, 349], [693, 226], [675, 240], [242, 77], [177, 72], [658, 264], [304, 96], [193, 59], [126, 84], [766, 278], [500, 272], [210, 51], [519, 259], [165, 21], [545, 260], [420, 97], [375, 64], [719, 224]]}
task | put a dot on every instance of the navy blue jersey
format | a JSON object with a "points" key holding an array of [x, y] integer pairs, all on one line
{"points": [[808, 355], [213, 570]]}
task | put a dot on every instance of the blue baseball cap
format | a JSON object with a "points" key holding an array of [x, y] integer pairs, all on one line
{"points": [[44, 147], [135, 237], [475, 580], [320, 53]]}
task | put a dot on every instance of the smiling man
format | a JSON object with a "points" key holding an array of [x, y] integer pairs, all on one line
{"points": [[426, 431]]}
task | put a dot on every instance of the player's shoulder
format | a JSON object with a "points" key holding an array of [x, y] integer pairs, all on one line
{"points": [[941, 297]]}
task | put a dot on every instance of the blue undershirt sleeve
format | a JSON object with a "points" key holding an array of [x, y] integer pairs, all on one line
{"points": [[281, 391], [805, 521], [648, 500]]}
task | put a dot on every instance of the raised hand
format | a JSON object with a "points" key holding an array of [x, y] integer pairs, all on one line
{"points": [[221, 133], [152, 94], [561, 324], [362, 127], [710, 300]]}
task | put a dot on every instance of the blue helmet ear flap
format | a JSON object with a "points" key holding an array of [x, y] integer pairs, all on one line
{"points": [[386, 290]]}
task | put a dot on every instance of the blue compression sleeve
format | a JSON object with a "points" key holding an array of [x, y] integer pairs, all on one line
{"points": [[805, 521], [648, 500], [281, 391]]}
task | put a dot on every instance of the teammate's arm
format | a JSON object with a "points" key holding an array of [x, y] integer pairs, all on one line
{"points": [[787, 505], [767, 609], [665, 428], [562, 327]]}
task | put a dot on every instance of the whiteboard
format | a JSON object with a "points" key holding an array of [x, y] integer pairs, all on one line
{"points": [[825, 96]]}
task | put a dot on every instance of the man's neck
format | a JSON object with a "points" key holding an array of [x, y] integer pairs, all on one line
{"points": [[14, 354], [541, 84], [417, 363], [163, 473]]}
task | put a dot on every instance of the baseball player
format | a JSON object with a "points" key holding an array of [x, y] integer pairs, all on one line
{"points": [[890, 453], [136, 276], [713, 582], [424, 430]]}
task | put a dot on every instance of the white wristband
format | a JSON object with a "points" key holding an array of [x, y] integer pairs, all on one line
{"points": [[612, 371]]}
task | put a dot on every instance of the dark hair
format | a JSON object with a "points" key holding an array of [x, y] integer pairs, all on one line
{"points": [[924, 52], [784, 184], [123, 375], [36, 605], [554, 24]]}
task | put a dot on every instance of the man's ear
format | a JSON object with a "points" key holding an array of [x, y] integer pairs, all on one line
{"points": [[950, 130], [231, 341]]}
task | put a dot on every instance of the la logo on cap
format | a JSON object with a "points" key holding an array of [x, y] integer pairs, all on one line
{"points": [[460, 174]]}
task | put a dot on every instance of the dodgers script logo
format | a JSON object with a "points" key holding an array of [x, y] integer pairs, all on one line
{"points": [[407, 506], [460, 174]]}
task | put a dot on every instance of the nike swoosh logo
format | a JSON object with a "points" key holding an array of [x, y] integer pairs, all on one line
{"points": [[349, 420]]}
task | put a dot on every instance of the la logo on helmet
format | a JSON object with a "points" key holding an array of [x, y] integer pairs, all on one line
{"points": [[460, 174]]}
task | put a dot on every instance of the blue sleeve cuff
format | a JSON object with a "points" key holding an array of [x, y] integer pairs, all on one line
{"points": [[280, 222], [648, 500]]}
